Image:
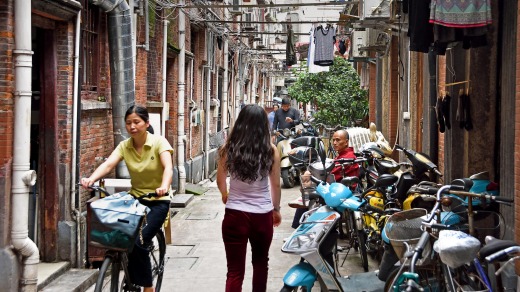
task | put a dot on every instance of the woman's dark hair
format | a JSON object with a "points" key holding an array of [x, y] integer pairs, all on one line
{"points": [[141, 111], [248, 149]]}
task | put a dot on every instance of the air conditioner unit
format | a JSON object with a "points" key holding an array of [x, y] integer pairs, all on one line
{"points": [[376, 9], [359, 41]]}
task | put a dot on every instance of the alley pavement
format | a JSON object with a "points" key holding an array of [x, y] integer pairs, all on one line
{"points": [[196, 259]]}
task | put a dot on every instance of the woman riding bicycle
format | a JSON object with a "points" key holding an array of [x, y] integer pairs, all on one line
{"points": [[148, 158]]}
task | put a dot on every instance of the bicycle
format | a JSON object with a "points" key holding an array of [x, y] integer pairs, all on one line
{"points": [[413, 276], [115, 261]]}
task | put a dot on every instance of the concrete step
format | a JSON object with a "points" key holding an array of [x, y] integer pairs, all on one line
{"points": [[74, 280]]}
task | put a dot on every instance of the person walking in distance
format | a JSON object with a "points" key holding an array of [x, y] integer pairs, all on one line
{"points": [[253, 201], [286, 117], [148, 158]]}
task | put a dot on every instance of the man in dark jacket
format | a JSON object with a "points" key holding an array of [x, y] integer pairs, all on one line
{"points": [[286, 117]]}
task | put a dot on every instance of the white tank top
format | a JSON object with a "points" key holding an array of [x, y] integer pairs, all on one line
{"points": [[252, 197]]}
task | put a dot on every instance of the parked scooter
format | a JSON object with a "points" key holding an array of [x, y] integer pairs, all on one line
{"points": [[316, 238], [288, 173]]}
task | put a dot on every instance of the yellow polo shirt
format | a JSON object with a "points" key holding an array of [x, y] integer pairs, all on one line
{"points": [[146, 170]]}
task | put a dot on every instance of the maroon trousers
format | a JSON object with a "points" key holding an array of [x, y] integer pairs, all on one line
{"points": [[238, 228]]}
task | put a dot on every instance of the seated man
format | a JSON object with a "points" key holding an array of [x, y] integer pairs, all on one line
{"points": [[340, 144]]}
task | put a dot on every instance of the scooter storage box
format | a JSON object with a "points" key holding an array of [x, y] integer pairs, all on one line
{"points": [[316, 169], [303, 154]]}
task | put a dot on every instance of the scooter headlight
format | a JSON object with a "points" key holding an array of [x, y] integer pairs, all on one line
{"points": [[301, 242], [287, 132]]}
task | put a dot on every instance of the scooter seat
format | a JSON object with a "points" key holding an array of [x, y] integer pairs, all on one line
{"points": [[350, 180]]}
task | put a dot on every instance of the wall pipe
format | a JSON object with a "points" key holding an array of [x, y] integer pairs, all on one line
{"points": [[146, 45], [74, 206], [181, 136], [225, 81], [23, 178], [165, 59], [121, 67], [193, 109], [206, 120]]}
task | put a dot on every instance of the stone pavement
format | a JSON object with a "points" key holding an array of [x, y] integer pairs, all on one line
{"points": [[196, 258]]}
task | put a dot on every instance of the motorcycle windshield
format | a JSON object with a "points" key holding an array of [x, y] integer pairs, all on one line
{"points": [[312, 231]]}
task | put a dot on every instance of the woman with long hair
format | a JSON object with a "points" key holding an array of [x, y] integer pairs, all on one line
{"points": [[253, 200]]}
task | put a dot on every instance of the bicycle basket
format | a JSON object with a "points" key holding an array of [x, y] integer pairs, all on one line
{"points": [[103, 236], [405, 228], [485, 222]]}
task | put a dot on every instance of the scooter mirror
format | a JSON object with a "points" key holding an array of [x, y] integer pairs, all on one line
{"points": [[321, 152]]}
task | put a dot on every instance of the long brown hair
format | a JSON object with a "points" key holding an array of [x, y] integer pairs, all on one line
{"points": [[248, 149]]}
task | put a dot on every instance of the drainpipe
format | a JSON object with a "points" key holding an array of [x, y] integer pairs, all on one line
{"points": [[379, 92], [23, 178], [121, 67], [181, 136], [225, 81], [76, 210], [193, 109], [165, 58], [146, 45], [433, 146], [206, 120]]}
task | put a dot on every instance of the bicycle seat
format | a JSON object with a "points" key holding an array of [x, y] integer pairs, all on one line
{"points": [[350, 180], [495, 245]]}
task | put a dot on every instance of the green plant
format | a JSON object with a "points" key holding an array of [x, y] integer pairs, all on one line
{"points": [[336, 94]]}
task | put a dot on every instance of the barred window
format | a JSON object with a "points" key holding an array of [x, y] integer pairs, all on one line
{"points": [[90, 46]]}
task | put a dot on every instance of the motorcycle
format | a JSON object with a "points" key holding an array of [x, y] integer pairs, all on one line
{"points": [[389, 191], [377, 163]]}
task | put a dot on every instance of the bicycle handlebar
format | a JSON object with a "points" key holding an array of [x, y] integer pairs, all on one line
{"points": [[503, 253]]}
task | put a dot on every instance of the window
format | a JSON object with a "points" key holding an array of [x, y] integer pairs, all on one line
{"points": [[90, 46]]}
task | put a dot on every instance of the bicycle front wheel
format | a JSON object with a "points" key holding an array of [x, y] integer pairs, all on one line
{"points": [[109, 267], [157, 256]]}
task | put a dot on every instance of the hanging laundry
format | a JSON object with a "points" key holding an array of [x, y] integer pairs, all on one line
{"points": [[310, 56], [324, 39], [442, 110], [446, 108], [438, 113], [290, 53], [420, 30], [463, 112], [461, 13], [464, 21], [342, 47]]}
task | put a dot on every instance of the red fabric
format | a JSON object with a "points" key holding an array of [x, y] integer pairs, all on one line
{"points": [[351, 170]]}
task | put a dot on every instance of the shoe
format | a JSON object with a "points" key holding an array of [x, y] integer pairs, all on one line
{"points": [[298, 203]]}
